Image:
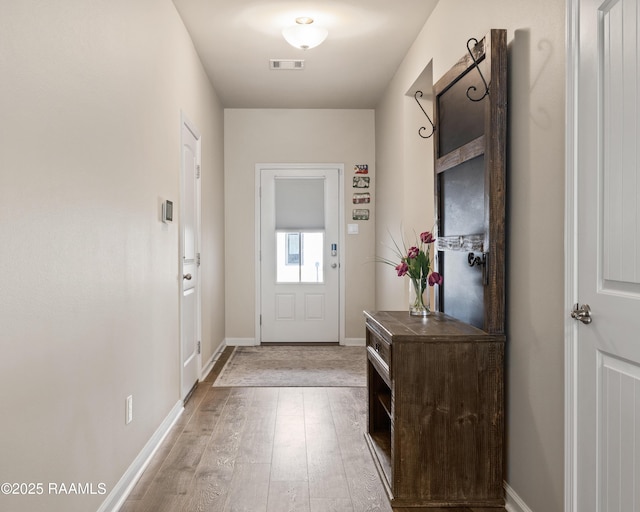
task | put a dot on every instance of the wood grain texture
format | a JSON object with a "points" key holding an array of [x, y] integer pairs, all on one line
{"points": [[460, 155], [213, 476], [331, 505], [327, 478], [496, 183], [289, 461], [288, 497], [441, 442], [248, 498], [259, 430], [225, 465]]}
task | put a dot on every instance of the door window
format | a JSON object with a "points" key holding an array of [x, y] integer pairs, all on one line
{"points": [[300, 257], [300, 217]]}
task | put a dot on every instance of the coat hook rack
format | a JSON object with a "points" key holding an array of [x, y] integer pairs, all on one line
{"points": [[475, 64], [433, 126], [479, 261]]}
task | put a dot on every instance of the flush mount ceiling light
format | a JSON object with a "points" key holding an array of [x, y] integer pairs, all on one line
{"points": [[304, 34]]}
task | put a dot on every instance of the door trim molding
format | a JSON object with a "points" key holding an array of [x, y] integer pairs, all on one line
{"points": [[341, 260], [571, 254]]}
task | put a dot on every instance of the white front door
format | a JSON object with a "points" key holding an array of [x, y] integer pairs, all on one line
{"points": [[189, 255], [300, 255], [606, 425]]}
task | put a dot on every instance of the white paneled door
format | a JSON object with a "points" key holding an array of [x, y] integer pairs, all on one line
{"points": [[189, 256], [605, 432], [299, 255]]}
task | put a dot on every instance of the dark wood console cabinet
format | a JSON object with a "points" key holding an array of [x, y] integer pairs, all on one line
{"points": [[436, 416]]}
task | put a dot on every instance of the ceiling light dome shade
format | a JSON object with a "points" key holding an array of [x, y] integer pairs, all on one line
{"points": [[304, 35]]}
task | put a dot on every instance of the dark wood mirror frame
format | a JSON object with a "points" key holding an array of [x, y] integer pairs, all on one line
{"points": [[470, 184]]}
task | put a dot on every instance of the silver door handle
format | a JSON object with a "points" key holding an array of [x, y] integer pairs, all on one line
{"points": [[187, 277], [582, 313], [334, 265]]}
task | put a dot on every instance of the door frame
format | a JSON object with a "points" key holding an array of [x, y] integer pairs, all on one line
{"points": [[571, 258], [185, 122], [341, 237]]}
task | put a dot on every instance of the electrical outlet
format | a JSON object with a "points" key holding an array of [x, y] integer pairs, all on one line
{"points": [[128, 415]]}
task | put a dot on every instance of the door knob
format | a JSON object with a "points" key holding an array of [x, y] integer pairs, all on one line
{"points": [[334, 265], [187, 277], [582, 313]]}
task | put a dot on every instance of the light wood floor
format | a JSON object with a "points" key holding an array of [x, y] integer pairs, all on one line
{"points": [[265, 450]]}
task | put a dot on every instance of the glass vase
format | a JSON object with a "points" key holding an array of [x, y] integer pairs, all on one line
{"points": [[418, 297]]}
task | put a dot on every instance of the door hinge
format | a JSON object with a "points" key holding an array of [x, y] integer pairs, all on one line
{"points": [[198, 258], [260, 319], [198, 171], [199, 348]]}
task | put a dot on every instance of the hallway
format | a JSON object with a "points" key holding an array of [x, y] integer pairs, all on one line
{"points": [[246, 449], [265, 449], [93, 95]]}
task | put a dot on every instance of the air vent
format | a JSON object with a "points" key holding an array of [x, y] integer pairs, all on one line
{"points": [[286, 64]]}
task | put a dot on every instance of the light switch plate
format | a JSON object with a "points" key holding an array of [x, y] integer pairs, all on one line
{"points": [[167, 211], [352, 229]]}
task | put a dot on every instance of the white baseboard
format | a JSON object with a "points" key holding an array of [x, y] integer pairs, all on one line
{"points": [[514, 503], [251, 342], [241, 342], [355, 342], [121, 490], [212, 360]]}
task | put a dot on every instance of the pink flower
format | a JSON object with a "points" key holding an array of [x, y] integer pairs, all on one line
{"points": [[435, 278], [427, 237], [402, 269], [413, 252]]}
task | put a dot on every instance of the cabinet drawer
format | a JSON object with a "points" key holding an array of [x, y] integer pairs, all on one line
{"points": [[381, 347]]}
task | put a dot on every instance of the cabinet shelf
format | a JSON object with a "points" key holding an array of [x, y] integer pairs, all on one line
{"points": [[380, 444], [385, 400]]}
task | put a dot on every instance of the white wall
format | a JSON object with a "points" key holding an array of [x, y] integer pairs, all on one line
{"points": [[535, 213], [293, 136], [90, 101], [405, 205]]}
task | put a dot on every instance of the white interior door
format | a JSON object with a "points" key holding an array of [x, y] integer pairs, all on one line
{"points": [[607, 350], [300, 262], [189, 255]]}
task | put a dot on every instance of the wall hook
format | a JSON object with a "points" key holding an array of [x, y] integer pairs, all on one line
{"points": [[479, 261], [474, 260], [475, 64], [433, 126]]}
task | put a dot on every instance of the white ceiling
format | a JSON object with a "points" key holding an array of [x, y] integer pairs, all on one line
{"points": [[367, 41]]}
